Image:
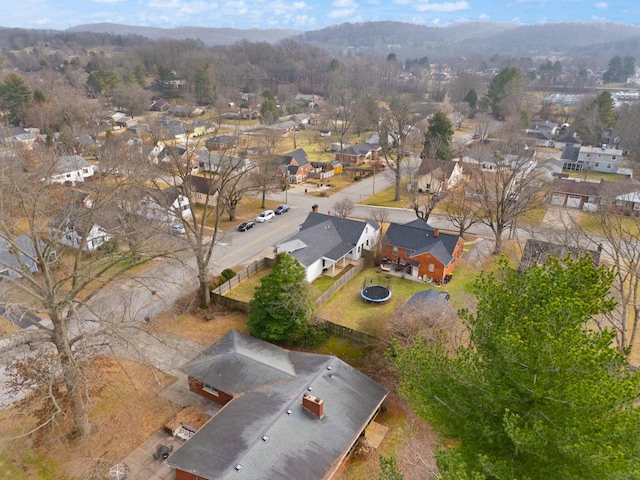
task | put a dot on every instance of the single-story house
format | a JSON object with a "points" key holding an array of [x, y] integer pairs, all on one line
{"points": [[326, 243], [287, 414], [70, 168], [435, 176], [536, 252], [26, 137], [222, 142], [358, 154], [17, 256], [542, 138], [423, 251], [574, 193], [622, 197], [81, 225], [568, 140]]}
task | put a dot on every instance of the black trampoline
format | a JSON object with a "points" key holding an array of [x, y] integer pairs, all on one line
{"points": [[375, 293]]}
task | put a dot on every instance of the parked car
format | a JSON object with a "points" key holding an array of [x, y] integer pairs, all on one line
{"points": [[244, 226], [265, 216], [282, 209], [178, 229]]}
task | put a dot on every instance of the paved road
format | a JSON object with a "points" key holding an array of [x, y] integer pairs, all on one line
{"points": [[159, 286]]}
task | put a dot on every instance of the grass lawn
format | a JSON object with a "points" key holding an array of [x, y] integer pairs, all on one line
{"points": [[347, 307], [384, 197], [592, 222]]}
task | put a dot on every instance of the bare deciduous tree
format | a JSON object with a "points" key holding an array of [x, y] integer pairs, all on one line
{"points": [[398, 135], [505, 187], [343, 207], [460, 209], [51, 233]]}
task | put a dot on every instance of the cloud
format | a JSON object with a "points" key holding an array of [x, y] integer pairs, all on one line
{"points": [[426, 6], [483, 16], [601, 5], [107, 1], [344, 8], [43, 21]]}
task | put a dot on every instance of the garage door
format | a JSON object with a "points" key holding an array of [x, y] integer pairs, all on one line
{"points": [[573, 201], [557, 199]]}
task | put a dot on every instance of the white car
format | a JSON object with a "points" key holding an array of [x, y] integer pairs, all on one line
{"points": [[178, 229], [265, 216]]}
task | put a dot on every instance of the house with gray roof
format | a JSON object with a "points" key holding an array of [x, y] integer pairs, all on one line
{"points": [[287, 414], [17, 255], [326, 243], [359, 153], [422, 251], [295, 166], [574, 193], [70, 168]]}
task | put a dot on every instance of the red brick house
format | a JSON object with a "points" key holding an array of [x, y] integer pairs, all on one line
{"points": [[422, 251], [295, 166], [358, 154], [287, 414]]}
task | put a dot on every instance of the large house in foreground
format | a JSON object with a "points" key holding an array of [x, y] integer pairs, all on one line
{"points": [[286, 415]]}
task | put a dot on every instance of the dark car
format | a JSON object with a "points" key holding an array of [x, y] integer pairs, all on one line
{"points": [[282, 209], [244, 226]]}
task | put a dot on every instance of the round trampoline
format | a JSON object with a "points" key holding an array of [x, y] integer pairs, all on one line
{"points": [[375, 292]]}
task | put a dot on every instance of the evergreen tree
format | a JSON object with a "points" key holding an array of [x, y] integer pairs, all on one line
{"points": [[537, 393], [437, 140], [14, 97], [282, 306]]}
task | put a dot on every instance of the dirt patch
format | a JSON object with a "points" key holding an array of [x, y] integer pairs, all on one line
{"points": [[197, 325], [125, 410]]}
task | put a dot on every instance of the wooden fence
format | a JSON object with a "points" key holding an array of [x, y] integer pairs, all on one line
{"points": [[241, 276], [339, 283], [218, 296]]}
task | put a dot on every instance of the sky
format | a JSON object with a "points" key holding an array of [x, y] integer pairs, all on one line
{"points": [[308, 14]]}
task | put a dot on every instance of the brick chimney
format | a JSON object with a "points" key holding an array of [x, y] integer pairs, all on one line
{"points": [[436, 232], [313, 404], [314, 208]]}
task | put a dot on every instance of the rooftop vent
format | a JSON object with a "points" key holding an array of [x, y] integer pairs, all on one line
{"points": [[329, 367], [265, 438], [239, 467], [289, 412], [310, 389]]}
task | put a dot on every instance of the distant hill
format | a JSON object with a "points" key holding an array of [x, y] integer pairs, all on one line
{"points": [[210, 36], [594, 41], [472, 38]]}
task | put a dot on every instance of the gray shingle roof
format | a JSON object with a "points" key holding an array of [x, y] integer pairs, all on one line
{"points": [[69, 163], [419, 236], [325, 236], [299, 445]]}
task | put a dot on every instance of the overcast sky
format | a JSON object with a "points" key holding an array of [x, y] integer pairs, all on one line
{"points": [[307, 14]]}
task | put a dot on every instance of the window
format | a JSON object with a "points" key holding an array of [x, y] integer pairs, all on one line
{"points": [[209, 389], [395, 250], [620, 203], [588, 155], [432, 267], [613, 157], [597, 164], [636, 206], [608, 165], [410, 252]]}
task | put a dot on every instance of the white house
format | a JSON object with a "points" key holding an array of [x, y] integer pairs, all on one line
{"points": [[326, 244], [168, 205], [70, 168], [603, 158]]}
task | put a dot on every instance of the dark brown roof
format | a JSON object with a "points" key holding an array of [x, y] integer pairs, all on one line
{"points": [[574, 186]]}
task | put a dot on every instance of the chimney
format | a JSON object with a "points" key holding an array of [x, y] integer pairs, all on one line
{"points": [[599, 247], [313, 404], [314, 208], [436, 232]]}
